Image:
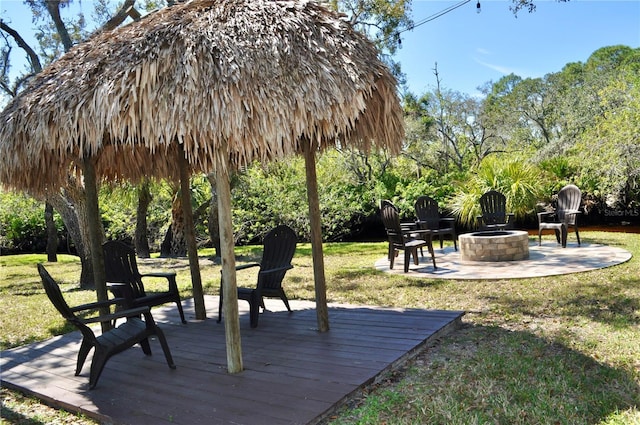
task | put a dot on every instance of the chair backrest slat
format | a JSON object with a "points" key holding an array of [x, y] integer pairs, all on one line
{"points": [[391, 221], [279, 246], [569, 198], [493, 205], [427, 211], [121, 266], [54, 294]]}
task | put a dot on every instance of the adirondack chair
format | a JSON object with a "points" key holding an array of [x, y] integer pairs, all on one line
{"points": [[279, 247], [127, 334], [121, 267], [564, 216], [493, 205], [404, 239], [428, 217]]}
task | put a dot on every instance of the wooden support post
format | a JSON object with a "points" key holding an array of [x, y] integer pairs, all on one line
{"points": [[229, 284], [95, 234], [322, 311], [190, 236]]}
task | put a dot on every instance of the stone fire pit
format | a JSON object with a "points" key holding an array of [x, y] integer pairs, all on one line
{"points": [[500, 245]]}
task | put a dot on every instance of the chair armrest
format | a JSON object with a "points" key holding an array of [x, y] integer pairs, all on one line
{"points": [[122, 291], [96, 305], [419, 233], [247, 266], [168, 275], [279, 269], [542, 216], [447, 220], [133, 312]]}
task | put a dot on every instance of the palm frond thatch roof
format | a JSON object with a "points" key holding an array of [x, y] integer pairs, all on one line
{"points": [[255, 76]]}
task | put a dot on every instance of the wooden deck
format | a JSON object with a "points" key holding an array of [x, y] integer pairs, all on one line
{"points": [[293, 374]]}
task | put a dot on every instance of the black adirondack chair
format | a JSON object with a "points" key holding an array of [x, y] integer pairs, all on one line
{"points": [[493, 205], [127, 334], [564, 216], [279, 247], [121, 267], [404, 239], [428, 217]]}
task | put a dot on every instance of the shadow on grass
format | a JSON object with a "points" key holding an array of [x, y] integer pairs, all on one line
{"points": [[609, 301], [485, 374]]}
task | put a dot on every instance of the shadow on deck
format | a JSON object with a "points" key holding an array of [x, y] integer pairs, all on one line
{"points": [[292, 373]]}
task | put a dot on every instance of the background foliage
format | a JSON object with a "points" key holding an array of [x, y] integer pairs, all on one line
{"points": [[527, 137]]}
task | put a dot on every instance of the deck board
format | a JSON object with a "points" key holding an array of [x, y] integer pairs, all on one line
{"points": [[292, 373]]}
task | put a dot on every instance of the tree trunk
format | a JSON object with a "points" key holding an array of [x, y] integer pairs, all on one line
{"points": [[52, 234], [71, 207], [178, 241], [141, 241], [189, 231], [214, 225]]}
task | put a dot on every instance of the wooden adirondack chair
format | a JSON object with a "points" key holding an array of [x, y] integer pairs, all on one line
{"points": [[493, 205], [564, 216], [121, 267], [428, 217], [133, 331], [403, 239], [279, 247]]}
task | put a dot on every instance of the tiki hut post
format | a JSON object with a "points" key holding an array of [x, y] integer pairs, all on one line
{"points": [[95, 235], [190, 235], [322, 312], [229, 284]]}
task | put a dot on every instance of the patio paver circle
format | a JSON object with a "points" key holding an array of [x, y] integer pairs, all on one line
{"points": [[550, 259]]}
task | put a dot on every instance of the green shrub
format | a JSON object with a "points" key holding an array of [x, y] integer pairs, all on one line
{"points": [[22, 225]]}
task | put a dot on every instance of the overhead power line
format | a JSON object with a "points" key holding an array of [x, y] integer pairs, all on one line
{"points": [[431, 18]]}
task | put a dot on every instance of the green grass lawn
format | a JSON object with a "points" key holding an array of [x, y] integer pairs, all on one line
{"points": [[551, 350]]}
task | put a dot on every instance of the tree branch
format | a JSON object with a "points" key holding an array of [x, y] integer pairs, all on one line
{"points": [[34, 60]]}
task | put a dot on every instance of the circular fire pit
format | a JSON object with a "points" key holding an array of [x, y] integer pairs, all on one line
{"points": [[501, 245]]}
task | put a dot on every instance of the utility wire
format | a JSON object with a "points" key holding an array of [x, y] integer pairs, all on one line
{"points": [[428, 19]]}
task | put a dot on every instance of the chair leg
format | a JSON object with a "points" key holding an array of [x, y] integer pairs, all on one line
{"points": [[179, 304], [577, 234], [563, 236], [85, 347], [220, 306], [392, 259], [284, 299], [146, 348], [100, 357], [254, 309], [407, 258], [165, 347], [433, 257], [539, 237]]}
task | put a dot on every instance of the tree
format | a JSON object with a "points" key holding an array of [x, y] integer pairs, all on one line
{"points": [[56, 36], [381, 21]]}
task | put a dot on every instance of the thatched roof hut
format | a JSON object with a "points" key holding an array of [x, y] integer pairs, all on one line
{"points": [[203, 86], [255, 76]]}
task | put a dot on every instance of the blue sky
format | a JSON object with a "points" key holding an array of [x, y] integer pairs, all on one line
{"points": [[472, 48]]}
